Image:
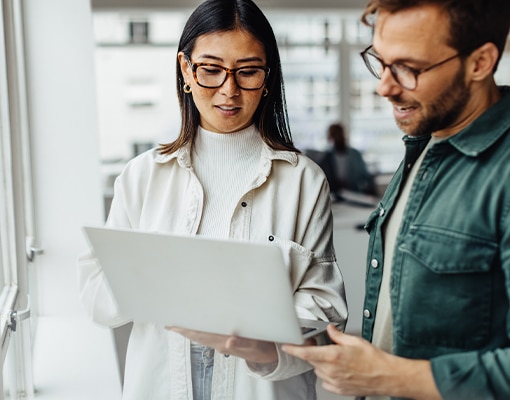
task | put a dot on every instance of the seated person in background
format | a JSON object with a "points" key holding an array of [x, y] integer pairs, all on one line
{"points": [[344, 166]]}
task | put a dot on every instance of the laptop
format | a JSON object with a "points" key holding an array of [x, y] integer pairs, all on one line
{"points": [[228, 287]]}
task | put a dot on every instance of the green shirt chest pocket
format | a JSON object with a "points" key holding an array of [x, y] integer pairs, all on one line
{"points": [[444, 290]]}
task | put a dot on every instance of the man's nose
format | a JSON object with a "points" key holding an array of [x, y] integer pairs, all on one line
{"points": [[388, 85]]}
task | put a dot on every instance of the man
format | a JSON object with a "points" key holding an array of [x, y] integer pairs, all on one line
{"points": [[436, 318]]}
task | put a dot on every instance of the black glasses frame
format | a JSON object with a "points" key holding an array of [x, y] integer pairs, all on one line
{"points": [[393, 67], [233, 71]]}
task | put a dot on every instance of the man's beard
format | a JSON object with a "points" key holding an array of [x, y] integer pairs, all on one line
{"points": [[444, 112]]}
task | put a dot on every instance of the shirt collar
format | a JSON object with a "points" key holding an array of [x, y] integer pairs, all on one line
{"points": [[482, 133], [487, 129], [183, 156]]}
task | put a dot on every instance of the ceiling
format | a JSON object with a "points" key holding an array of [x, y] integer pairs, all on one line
{"points": [[280, 4]]}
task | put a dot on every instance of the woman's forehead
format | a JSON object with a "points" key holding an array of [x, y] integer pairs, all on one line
{"points": [[234, 44]]}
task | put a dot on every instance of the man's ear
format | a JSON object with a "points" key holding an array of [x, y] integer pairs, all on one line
{"points": [[481, 61]]}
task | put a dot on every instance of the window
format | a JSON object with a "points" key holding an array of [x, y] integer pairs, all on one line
{"points": [[325, 81], [14, 304]]}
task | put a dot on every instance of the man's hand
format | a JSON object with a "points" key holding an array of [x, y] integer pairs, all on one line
{"points": [[352, 366]]}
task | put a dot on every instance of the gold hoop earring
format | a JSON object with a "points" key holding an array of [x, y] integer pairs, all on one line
{"points": [[186, 88], [265, 92]]}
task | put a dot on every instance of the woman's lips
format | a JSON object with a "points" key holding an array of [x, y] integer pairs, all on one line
{"points": [[228, 110]]}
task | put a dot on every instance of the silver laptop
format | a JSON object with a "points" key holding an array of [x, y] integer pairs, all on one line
{"points": [[227, 287]]}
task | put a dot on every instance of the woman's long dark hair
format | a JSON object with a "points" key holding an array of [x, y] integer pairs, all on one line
{"points": [[270, 117]]}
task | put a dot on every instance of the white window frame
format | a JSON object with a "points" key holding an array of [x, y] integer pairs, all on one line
{"points": [[15, 338]]}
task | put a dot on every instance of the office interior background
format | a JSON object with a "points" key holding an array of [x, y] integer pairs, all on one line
{"points": [[87, 85]]}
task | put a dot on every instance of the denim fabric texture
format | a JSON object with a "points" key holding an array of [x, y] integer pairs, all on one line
{"points": [[202, 363]]}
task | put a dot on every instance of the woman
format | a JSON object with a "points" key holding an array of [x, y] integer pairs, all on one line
{"points": [[233, 172]]}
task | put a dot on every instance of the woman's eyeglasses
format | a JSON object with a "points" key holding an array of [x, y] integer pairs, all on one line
{"points": [[213, 76]]}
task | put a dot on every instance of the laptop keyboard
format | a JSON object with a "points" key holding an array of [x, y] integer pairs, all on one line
{"points": [[305, 329]]}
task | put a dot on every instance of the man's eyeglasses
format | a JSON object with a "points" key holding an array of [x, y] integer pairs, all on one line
{"points": [[405, 76], [213, 76]]}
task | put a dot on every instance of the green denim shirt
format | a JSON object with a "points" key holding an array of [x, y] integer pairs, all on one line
{"points": [[450, 279]]}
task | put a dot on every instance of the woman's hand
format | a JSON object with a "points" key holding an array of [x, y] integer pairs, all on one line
{"points": [[253, 351]]}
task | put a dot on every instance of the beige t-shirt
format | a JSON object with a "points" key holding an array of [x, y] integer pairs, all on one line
{"points": [[383, 325]]}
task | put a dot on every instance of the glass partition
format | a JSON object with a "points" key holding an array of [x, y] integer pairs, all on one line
{"points": [[325, 80]]}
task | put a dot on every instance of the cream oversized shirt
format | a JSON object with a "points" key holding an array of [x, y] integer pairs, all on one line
{"points": [[287, 204]]}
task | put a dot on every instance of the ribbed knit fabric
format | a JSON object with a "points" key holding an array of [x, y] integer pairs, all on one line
{"points": [[225, 163]]}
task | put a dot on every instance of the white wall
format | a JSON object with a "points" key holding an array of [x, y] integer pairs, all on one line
{"points": [[65, 143]]}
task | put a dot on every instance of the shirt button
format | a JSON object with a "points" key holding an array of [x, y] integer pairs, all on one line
{"points": [[226, 355], [374, 263], [367, 313], [244, 204], [271, 238], [381, 213]]}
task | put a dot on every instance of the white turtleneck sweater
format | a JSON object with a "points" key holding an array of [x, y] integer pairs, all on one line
{"points": [[225, 163]]}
